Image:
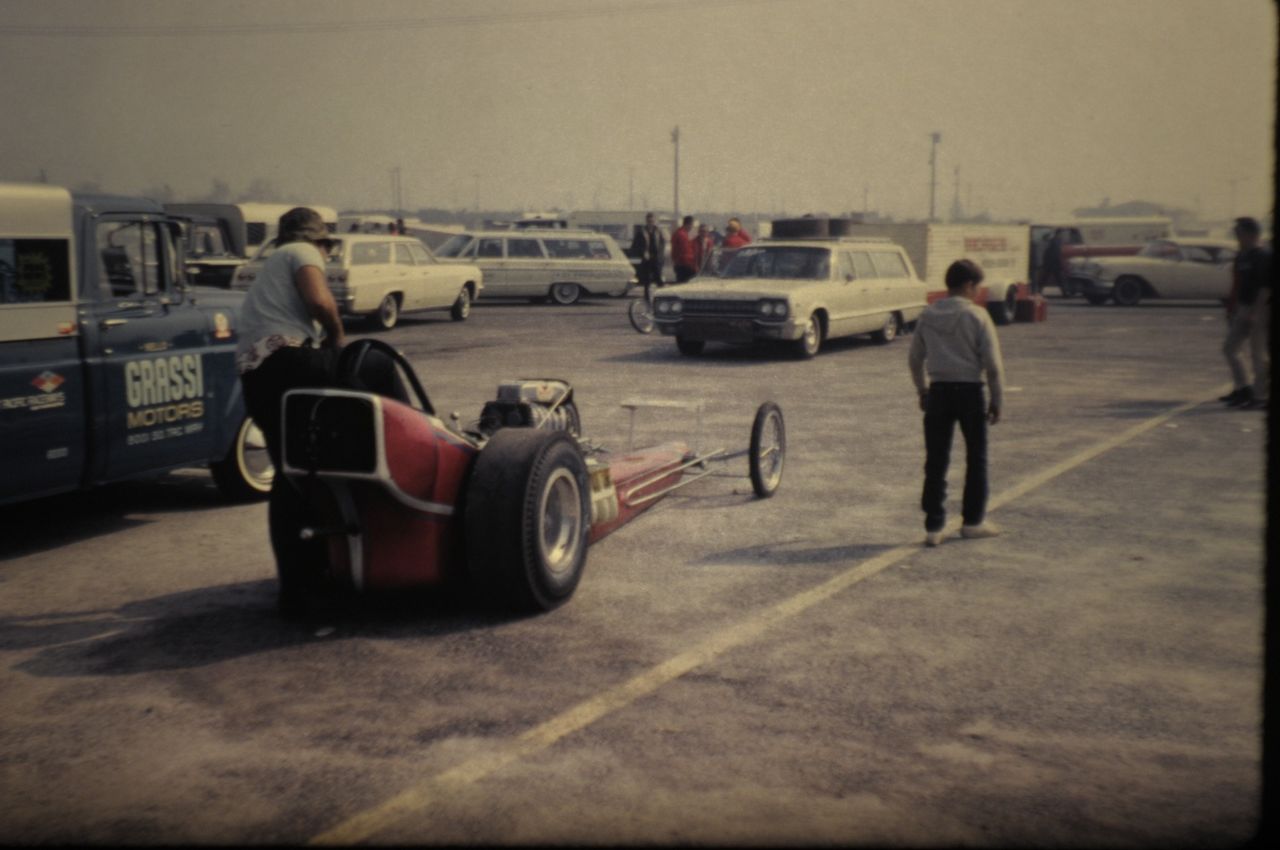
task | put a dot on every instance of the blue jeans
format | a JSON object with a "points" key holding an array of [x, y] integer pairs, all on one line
{"points": [[949, 403]]}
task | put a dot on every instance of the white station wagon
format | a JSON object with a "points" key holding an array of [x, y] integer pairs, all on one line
{"points": [[798, 291], [556, 264], [380, 277]]}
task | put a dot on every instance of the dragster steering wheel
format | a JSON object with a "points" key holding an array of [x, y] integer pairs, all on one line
{"points": [[357, 370]]}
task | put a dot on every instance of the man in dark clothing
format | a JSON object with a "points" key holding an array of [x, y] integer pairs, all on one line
{"points": [[648, 245], [683, 256], [1249, 314]]}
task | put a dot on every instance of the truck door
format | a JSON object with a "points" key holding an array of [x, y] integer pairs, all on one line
{"points": [[149, 352], [43, 441]]}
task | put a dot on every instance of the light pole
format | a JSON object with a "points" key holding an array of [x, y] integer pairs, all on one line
{"points": [[933, 171], [675, 140]]}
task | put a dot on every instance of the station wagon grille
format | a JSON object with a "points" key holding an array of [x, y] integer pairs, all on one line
{"points": [[719, 307]]}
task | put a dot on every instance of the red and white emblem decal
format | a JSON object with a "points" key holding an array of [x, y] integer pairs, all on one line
{"points": [[47, 382]]}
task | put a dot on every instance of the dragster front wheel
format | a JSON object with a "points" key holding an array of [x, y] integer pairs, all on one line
{"points": [[768, 450]]}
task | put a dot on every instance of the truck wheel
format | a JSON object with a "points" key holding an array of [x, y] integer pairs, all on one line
{"points": [[527, 515], [768, 449], [565, 293], [690, 347], [246, 473], [807, 346], [889, 331], [462, 307], [388, 312], [1127, 291]]}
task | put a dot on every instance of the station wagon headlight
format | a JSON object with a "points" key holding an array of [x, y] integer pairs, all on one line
{"points": [[772, 308]]}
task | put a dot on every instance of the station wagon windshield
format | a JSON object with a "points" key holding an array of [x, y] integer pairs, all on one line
{"points": [[792, 263]]}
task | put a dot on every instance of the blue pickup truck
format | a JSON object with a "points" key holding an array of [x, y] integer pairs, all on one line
{"points": [[111, 366]]}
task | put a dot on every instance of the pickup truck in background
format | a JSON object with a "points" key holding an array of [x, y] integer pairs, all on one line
{"points": [[111, 366]]}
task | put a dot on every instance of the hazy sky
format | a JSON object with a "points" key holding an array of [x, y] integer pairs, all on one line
{"points": [[782, 104]]}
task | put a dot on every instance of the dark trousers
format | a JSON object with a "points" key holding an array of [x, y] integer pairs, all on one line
{"points": [[949, 403], [264, 388]]}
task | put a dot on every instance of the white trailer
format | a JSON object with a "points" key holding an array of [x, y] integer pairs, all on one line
{"points": [[1002, 250]]}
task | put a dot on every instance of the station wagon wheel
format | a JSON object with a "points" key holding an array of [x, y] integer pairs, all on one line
{"points": [[768, 450], [888, 331], [565, 293], [462, 307], [388, 311], [1127, 291], [690, 347], [246, 472], [807, 346]]}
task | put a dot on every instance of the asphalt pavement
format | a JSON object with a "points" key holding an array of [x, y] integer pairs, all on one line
{"points": [[731, 670]]}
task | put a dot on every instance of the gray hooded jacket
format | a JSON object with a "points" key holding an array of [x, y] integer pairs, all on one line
{"points": [[957, 341]]}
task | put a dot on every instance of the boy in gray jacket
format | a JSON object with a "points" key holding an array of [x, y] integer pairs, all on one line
{"points": [[956, 340]]}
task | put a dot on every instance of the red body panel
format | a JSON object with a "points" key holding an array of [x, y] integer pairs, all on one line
{"points": [[631, 468]]}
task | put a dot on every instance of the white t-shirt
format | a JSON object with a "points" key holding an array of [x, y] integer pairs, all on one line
{"points": [[273, 307]]}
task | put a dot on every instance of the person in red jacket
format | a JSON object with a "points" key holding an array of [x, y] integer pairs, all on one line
{"points": [[683, 257], [734, 238]]}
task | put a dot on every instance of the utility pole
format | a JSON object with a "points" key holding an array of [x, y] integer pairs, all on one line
{"points": [[956, 212], [631, 188], [675, 140], [933, 172]]}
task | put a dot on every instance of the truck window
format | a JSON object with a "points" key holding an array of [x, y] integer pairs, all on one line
{"points": [[128, 258], [34, 271]]}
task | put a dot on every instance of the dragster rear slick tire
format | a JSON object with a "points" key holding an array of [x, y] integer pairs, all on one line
{"points": [[768, 450], [526, 518]]}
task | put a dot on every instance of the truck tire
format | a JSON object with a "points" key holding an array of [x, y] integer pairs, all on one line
{"points": [[246, 473], [526, 518], [768, 450]]}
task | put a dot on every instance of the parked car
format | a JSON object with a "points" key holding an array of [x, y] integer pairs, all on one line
{"points": [[1164, 268], [558, 265], [111, 366], [380, 277], [801, 291]]}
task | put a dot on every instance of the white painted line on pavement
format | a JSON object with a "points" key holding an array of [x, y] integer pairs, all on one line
{"points": [[368, 823]]}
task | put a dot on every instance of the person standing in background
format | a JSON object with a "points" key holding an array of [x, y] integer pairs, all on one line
{"points": [[703, 245], [648, 245], [1249, 315], [683, 257]]}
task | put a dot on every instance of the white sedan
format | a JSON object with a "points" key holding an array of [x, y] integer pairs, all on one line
{"points": [[1164, 268]]}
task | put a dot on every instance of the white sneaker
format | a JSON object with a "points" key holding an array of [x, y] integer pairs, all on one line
{"points": [[984, 529], [933, 538]]}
